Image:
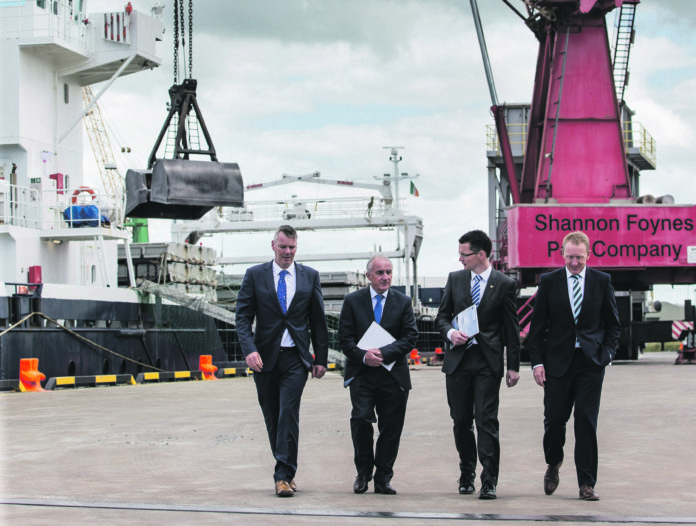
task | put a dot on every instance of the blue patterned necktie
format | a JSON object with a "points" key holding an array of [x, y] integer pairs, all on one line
{"points": [[282, 291], [378, 308], [577, 297], [476, 290]]}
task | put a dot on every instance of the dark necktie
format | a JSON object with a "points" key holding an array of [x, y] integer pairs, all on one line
{"points": [[378, 308], [476, 290], [282, 291], [577, 296]]}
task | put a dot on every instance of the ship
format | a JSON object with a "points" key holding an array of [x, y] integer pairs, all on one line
{"points": [[61, 233]]}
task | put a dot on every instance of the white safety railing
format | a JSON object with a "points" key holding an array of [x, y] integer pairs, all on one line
{"points": [[51, 209], [49, 19], [330, 208]]}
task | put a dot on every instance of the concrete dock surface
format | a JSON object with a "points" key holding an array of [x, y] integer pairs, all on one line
{"points": [[197, 452]]}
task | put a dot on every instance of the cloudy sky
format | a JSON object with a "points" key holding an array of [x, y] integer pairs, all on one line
{"points": [[296, 86]]}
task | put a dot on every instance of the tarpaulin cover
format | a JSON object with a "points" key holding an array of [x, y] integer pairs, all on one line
{"points": [[182, 189], [78, 216]]}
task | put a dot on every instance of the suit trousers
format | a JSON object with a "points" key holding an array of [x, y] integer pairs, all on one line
{"points": [[581, 387], [375, 389], [279, 392], [473, 394]]}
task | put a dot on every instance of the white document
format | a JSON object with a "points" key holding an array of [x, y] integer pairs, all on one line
{"points": [[375, 337], [467, 321]]}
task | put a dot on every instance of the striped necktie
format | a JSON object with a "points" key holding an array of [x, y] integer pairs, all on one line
{"points": [[378, 308], [577, 297], [283, 291], [476, 290]]}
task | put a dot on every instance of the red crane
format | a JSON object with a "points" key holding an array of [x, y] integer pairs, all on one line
{"points": [[581, 164]]}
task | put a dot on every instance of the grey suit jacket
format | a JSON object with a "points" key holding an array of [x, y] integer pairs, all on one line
{"points": [[304, 318], [497, 317]]}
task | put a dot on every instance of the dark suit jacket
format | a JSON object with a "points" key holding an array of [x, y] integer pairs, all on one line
{"points": [[258, 299], [397, 319], [497, 318], [552, 333]]}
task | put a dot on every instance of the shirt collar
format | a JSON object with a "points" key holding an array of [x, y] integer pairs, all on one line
{"points": [[485, 274], [277, 269], [569, 273], [374, 293]]}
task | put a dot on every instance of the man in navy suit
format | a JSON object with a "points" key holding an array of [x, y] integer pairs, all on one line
{"points": [[378, 378], [285, 299], [474, 362], [573, 336]]}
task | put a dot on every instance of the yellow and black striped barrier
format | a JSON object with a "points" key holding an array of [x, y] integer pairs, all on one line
{"points": [[168, 376], [231, 372], [88, 381]]}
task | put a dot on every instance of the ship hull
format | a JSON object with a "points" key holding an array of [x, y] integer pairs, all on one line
{"points": [[105, 337]]}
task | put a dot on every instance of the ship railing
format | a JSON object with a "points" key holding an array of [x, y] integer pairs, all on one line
{"points": [[636, 136], [330, 208], [19, 206], [518, 138], [41, 20], [51, 209]]}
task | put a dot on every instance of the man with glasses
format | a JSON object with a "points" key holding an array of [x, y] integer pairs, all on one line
{"points": [[474, 363], [573, 336]]}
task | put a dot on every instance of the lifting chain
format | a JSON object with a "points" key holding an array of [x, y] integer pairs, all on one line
{"points": [[190, 50], [179, 21], [176, 39]]}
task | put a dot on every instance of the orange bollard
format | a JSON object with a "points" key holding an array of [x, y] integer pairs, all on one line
{"points": [[29, 376], [205, 364], [439, 356], [415, 357]]}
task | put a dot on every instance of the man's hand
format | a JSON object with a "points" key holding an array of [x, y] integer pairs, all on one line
{"points": [[459, 338], [540, 375], [511, 378], [373, 357], [318, 371], [254, 362]]}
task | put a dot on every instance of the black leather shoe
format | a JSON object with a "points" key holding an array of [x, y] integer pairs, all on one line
{"points": [[466, 487], [384, 489], [360, 484], [487, 491], [551, 478]]}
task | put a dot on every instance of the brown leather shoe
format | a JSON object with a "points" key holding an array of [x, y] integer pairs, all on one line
{"points": [[588, 493], [283, 489], [293, 486], [551, 478]]}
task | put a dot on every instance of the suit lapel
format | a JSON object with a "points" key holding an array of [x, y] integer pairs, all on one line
{"points": [[467, 288], [298, 285], [588, 292], [269, 283], [563, 275], [489, 289]]}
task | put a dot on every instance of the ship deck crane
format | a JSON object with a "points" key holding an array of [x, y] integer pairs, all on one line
{"points": [[180, 187]]}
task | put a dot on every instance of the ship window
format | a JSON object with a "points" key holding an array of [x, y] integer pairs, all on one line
{"points": [[66, 93], [41, 4], [94, 274]]}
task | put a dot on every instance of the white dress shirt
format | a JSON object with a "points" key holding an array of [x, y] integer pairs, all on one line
{"points": [[290, 287]]}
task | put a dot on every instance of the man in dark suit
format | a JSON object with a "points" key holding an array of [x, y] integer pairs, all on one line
{"points": [[285, 299], [474, 362], [378, 378], [572, 338]]}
